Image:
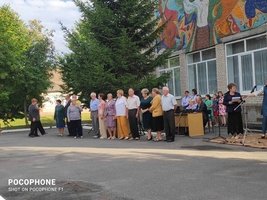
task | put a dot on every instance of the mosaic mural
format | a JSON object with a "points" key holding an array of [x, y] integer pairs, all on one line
{"points": [[198, 24]]}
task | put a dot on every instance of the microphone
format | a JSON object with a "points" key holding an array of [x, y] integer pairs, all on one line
{"points": [[253, 89]]}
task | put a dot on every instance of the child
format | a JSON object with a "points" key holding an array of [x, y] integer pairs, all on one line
{"points": [[209, 104], [215, 107]]}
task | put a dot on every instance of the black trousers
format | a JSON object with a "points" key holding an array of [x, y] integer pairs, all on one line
{"points": [[36, 125], [169, 124], [133, 123], [76, 128], [69, 128], [235, 123]]}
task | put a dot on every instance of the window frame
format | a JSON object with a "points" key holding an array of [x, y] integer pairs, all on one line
{"points": [[169, 69], [190, 64], [239, 55]]}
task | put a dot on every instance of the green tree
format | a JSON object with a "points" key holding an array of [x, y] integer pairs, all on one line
{"points": [[26, 60], [34, 79], [113, 46], [14, 41]]}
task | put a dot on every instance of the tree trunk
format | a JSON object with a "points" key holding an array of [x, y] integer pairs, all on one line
{"points": [[26, 113]]}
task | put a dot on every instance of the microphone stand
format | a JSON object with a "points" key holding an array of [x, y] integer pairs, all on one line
{"points": [[246, 129], [219, 129]]}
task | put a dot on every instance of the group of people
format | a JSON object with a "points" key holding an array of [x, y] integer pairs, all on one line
{"points": [[118, 117], [69, 115], [121, 116], [218, 107], [154, 111], [214, 108]]}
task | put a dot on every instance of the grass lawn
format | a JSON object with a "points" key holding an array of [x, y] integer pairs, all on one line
{"points": [[47, 119]]}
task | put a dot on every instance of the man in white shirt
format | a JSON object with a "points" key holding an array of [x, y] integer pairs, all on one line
{"points": [[169, 105], [133, 105]]}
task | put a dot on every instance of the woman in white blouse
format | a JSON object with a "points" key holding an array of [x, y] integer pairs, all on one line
{"points": [[122, 116]]}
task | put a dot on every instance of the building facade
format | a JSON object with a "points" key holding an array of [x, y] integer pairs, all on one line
{"points": [[215, 42], [54, 92]]}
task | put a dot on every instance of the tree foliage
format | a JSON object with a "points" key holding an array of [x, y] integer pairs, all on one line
{"points": [[26, 59], [113, 46]]}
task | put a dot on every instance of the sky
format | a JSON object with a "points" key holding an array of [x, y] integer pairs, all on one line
{"points": [[49, 12]]}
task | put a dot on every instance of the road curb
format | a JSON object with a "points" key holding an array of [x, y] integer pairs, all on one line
{"points": [[28, 129]]}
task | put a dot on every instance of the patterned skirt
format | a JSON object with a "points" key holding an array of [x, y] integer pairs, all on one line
{"points": [[110, 122]]}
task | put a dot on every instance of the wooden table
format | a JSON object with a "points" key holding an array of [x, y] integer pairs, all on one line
{"points": [[192, 121]]}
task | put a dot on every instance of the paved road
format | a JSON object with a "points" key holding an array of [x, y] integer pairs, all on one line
{"points": [[189, 169]]}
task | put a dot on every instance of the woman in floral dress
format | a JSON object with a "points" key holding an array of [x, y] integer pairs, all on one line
{"points": [[110, 115], [222, 109]]}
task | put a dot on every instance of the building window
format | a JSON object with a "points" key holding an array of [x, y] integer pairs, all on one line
{"points": [[247, 62], [202, 73], [172, 67]]}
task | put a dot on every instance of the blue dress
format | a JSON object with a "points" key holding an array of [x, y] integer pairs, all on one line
{"points": [[147, 116], [60, 116]]}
